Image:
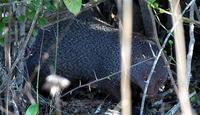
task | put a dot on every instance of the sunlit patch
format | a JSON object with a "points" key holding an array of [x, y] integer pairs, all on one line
{"points": [[99, 26], [161, 89], [45, 56], [55, 84], [144, 56]]}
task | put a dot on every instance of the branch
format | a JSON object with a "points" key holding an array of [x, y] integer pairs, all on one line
{"points": [[159, 54], [183, 93], [191, 45], [103, 78], [126, 42]]}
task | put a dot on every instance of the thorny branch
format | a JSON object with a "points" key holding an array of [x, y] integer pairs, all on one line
{"points": [[103, 78], [158, 56]]}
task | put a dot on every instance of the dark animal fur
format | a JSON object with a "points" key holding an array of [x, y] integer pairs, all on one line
{"points": [[88, 47]]}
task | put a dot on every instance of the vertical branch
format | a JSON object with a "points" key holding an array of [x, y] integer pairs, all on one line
{"points": [[126, 39], [57, 38], [191, 44], [7, 47], [7, 51], [20, 36], [183, 93], [25, 42], [159, 54], [151, 32]]}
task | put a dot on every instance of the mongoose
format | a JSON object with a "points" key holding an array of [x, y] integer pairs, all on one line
{"points": [[89, 48]]}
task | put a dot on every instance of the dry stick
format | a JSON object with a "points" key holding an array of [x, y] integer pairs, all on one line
{"points": [[159, 54], [155, 37], [19, 37], [187, 20], [57, 102], [19, 75], [191, 45], [153, 34], [7, 51], [11, 3], [3, 110], [181, 59], [176, 107], [19, 56], [126, 39], [57, 97], [3, 75], [197, 11], [38, 67], [7, 47], [15, 107], [57, 39]]}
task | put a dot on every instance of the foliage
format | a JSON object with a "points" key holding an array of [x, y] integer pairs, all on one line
{"points": [[154, 5], [32, 109], [31, 7], [74, 6]]}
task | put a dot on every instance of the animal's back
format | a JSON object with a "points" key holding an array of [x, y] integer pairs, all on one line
{"points": [[90, 48]]}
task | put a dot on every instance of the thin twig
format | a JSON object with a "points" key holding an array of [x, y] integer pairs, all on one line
{"points": [[39, 66], [11, 3], [191, 45], [197, 11], [7, 51], [103, 78], [15, 107], [19, 56], [183, 93], [175, 108], [158, 56], [155, 36], [3, 110], [187, 20]]}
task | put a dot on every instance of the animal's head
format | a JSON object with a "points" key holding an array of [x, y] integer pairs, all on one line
{"points": [[140, 74]]}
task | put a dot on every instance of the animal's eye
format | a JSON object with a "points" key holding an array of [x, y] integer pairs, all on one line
{"points": [[160, 80], [145, 78]]}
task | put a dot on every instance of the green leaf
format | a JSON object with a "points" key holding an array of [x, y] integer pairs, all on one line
{"points": [[195, 100], [48, 6], [1, 41], [32, 109], [5, 20], [35, 33], [21, 18], [42, 22], [2, 25], [28, 1], [31, 14], [151, 1], [74, 6], [4, 1], [156, 5], [170, 42]]}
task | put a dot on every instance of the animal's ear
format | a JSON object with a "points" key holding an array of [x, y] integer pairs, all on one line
{"points": [[150, 27], [148, 20]]}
